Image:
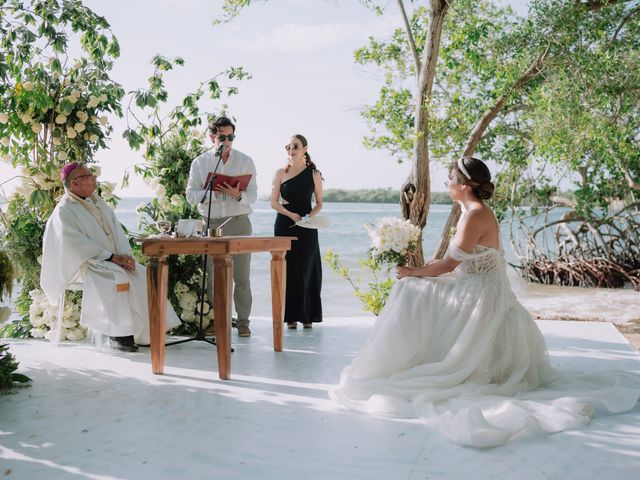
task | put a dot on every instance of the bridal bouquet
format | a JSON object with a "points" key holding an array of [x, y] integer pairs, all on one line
{"points": [[392, 240]]}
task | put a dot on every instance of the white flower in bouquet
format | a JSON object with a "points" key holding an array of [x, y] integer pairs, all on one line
{"points": [[51, 335], [6, 141], [4, 118], [75, 334], [392, 240], [180, 288], [38, 332], [93, 101]]}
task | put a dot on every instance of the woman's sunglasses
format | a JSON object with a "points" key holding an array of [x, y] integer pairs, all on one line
{"points": [[295, 146], [230, 137]]}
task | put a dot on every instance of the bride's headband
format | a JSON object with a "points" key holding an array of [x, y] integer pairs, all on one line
{"points": [[462, 168]]}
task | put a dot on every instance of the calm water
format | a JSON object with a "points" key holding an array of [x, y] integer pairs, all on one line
{"points": [[347, 237]]}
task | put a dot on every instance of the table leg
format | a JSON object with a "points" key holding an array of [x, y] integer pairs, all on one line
{"points": [[157, 276], [222, 278], [278, 290]]}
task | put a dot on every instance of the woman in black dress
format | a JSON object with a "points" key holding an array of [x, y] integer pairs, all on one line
{"points": [[293, 187]]}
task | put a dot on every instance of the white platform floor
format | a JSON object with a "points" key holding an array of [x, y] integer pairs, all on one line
{"points": [[100, 415]]}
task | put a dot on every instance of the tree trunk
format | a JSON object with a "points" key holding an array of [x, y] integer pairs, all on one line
{"points": [[415, 195]]}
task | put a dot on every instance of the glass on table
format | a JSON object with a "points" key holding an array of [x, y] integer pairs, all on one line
{"points": [[163, 226]]}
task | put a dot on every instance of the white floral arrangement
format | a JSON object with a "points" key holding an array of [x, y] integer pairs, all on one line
{"points": [[44, 317], [190, 305], [392, 240]]}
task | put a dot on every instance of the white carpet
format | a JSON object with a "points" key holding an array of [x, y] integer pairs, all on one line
{"points": [[101, 415]]}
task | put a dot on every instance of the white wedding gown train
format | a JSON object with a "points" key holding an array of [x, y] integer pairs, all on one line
{"points": [[461, 353]]}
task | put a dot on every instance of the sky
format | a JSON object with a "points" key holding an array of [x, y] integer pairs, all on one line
{"points": [[300, 55]]}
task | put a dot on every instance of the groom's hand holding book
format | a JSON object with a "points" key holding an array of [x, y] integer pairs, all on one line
{"points": [[231, 185]]}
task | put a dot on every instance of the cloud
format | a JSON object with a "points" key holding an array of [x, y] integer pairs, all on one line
{"points": [[295, 37]]}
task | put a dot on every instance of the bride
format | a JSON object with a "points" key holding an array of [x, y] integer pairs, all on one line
{"points": [[458, 351]]}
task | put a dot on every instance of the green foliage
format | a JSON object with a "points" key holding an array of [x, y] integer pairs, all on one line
{"points": [[375, 195], [6, 275], [8, 366], [182, 121], [373, 299], [53, 109]]}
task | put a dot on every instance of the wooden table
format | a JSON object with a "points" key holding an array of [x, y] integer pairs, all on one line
{"points": [[222, 250]]}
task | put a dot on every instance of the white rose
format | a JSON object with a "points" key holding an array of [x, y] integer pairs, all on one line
{"points": [[36, 127], [93, 138], [103, 97], [60, 119], [86, 136], [25, 117], [62, 156], [93, 101], [6, 141], [4, 118], [71, 133], [28, 86], [83, 116], [79, 127], [103, 120], [56, 141], [38, 332]]}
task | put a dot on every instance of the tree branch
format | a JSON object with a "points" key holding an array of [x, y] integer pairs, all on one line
{"points": [[624, 20], [476, 135], [411, 39]]}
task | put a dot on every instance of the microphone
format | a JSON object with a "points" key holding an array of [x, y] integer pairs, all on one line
{"points": [[220, 149]]}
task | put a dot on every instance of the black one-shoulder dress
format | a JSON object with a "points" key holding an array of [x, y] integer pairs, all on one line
{"points": [[304, 264]]}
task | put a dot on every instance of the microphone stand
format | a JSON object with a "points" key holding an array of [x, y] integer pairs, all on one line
{"points": [[200, 336]]}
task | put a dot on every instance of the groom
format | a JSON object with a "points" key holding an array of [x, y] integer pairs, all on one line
{"points": [[228, 203]]}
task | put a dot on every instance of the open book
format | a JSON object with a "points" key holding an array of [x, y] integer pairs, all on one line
{"points": [[243, 180]]}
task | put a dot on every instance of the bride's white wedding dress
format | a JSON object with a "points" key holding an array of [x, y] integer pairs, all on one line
{"points": [[460, 352]]}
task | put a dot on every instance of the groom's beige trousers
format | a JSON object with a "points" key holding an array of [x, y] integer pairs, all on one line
{"points": [[238, 225]]}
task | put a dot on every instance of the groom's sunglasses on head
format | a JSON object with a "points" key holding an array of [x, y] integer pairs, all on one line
{"points": [[230, 137]]}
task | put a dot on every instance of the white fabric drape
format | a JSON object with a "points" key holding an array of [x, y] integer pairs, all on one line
{"points": [[459, 352]]}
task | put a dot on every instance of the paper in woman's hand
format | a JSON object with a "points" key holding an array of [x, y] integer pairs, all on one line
{"points": [[317, 221]]}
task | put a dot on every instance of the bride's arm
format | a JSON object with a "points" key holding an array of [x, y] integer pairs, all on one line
{"points": [[469, 229], [432, 268]]}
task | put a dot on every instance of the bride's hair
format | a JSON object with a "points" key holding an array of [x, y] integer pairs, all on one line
{"points": [[475, 173]]}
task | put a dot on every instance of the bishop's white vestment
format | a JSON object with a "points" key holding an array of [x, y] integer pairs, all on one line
{"points": [[80, 236]]}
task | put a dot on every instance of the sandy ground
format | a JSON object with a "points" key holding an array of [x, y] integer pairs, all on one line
{"points": [[96, 414]]}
